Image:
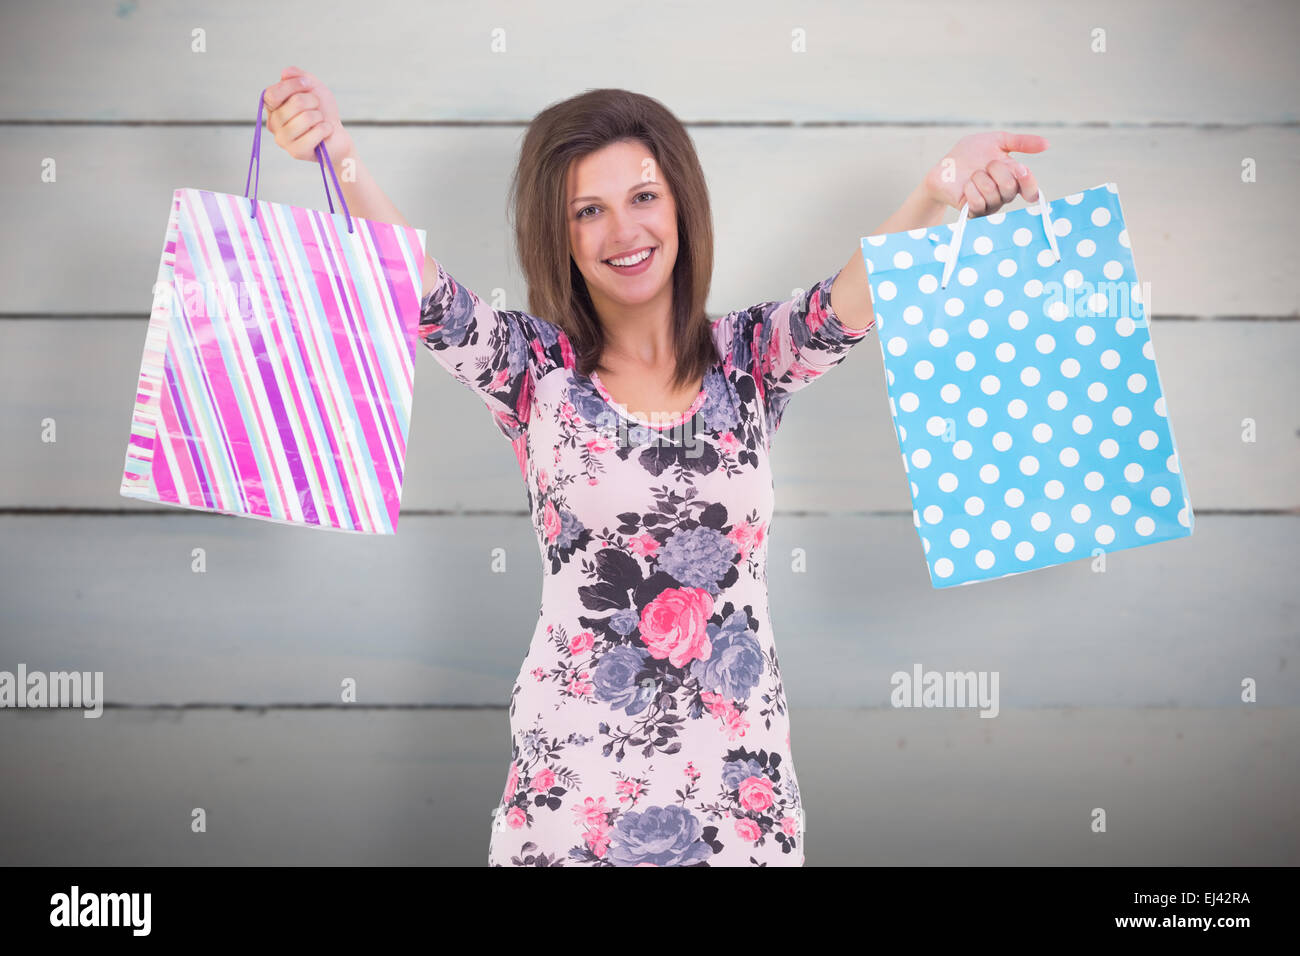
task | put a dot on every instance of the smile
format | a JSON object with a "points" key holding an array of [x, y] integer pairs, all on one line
{"points": [[633, 262]]}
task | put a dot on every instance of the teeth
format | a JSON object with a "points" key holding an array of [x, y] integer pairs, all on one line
{"points": [[630, 260]]}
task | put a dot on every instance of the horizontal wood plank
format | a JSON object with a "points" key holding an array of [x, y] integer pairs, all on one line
{"points": [[836, 449], [287, 614], [1166, 61], [790, 205], [879, 787]]}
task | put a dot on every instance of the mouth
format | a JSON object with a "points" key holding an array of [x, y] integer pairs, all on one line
{"points": [[640, 265]]}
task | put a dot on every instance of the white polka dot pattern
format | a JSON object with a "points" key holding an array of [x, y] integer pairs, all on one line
{"points": [[1025, 395]]}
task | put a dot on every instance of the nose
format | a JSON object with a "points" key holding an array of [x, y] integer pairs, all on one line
{"points": [[624, 230]]}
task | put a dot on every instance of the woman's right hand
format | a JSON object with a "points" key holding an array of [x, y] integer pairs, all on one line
{"points": [[302, 113]]}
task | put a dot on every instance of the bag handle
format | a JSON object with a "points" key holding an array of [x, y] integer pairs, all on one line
{"points": [[322, 157], [955, 245]]}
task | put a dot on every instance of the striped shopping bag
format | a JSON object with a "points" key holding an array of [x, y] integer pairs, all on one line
{"points": [[278, 366], [1023, 386]]}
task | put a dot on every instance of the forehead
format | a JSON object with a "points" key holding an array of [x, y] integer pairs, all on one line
{"points": [[612, 168]]}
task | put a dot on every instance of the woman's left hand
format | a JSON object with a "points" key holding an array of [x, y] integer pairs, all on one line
{"points": [[979, 172]]}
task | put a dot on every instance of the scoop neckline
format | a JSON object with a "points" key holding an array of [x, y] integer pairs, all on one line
{"points": [[622, 409]]}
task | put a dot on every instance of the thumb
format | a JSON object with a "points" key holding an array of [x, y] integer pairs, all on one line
{"points": [[289, 71], [1023, 143]]}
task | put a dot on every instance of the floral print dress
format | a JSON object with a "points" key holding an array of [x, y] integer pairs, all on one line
{"points": [[648, 719]]}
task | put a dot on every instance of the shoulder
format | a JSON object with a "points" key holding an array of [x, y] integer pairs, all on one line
{"points": [[734, 333], [452, 313]]}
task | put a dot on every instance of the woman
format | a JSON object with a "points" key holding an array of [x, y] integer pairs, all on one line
{"points": [[648, 720]]}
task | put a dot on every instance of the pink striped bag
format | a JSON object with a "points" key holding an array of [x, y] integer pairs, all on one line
{"points": [[279, 363]]}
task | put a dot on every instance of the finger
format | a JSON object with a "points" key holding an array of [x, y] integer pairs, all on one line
{"points": [[1022, 143], [1028, 184], [988, 190], [974, 198], [294, 106], [1004, 177], [297, 125], [277, 93], [305, 144]]}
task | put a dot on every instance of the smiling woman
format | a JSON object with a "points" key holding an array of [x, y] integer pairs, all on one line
{"points": [[648, 719]]}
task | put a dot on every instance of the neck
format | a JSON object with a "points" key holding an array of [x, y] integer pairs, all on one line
{"points": [[640, 334]]}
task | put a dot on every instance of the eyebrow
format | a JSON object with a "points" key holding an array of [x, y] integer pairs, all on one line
{"points": [[597, 198]]}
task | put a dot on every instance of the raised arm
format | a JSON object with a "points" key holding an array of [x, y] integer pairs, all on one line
{"points": [[852, 292], [786, 345], [496, 353], [301, 114]]}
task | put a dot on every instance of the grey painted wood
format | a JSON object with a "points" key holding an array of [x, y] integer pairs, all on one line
{"points": [[836, 449], [790, 205], [728, 60], [879, 787], [286, 614]]}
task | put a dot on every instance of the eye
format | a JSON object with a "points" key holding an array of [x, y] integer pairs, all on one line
{"points": [[583, 210]]}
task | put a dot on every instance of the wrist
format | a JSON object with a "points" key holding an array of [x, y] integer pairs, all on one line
{"points": [[929, 208], [345, 151]]}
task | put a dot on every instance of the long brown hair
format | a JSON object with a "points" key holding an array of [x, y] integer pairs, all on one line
{"points": [[562, 134]]}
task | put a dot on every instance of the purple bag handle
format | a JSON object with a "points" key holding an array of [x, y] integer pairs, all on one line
{"points": [[322, 157]]}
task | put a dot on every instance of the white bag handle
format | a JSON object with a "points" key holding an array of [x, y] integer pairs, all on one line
{"points": [[954, 247]]}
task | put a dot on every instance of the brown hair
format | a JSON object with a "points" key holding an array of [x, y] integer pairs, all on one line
{"points": [[560, 135]]}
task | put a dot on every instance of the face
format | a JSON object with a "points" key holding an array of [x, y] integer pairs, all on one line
{"points": [[618, 205]]}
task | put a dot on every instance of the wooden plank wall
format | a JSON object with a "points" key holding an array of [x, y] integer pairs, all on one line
{"points": [[805, 151]]}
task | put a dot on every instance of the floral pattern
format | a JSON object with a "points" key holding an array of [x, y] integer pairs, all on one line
{"points": [[648, 719]]}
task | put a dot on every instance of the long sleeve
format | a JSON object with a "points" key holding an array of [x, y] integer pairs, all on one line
{"points": [[497, 353], [786, 345]]}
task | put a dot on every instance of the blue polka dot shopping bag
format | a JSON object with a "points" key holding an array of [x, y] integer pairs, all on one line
{"points": [[1023, 385]]}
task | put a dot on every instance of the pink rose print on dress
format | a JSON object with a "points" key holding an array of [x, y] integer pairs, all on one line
{"points": [[756, 793], [550, 522], [523, 408], [597, 838], [581, 643], [643, 545], [579, 685], [733, 720], [815, 319], [560, 530], [628, 790], [512, 781], [745, 536], [748, 830], [759, 796], [591, 812], [673, 625]]}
